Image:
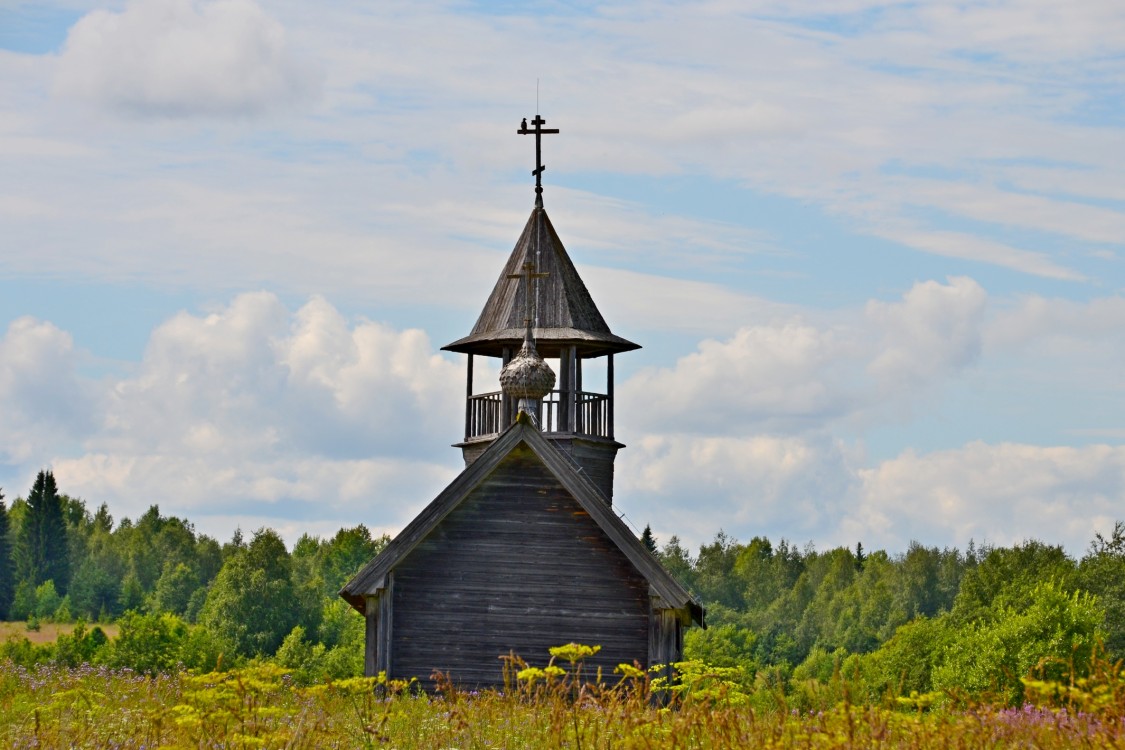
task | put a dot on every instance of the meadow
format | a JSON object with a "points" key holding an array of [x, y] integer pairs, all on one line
{"points": [[262, 706], [47, 632]]}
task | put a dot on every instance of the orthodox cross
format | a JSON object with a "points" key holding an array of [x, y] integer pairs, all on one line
{"points": [[539, 132], [529, 274]]}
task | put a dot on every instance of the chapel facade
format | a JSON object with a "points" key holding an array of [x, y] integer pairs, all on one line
{"points": [[523, 550]]}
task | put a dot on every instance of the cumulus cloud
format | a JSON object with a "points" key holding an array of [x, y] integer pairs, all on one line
{"points": [[1002, 493], [43, 400], [749, 436], [252, 410], [182, 58], [817, 489], [936, 329], [795, 375], [693, 486]]}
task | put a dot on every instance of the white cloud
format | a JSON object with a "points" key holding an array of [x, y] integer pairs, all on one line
{"points": [[693, 486], [1002, 493], [975, 248], [747, 434], [936, 329], [302, 419], [43, 401], [182, 58], [248, 411], [813, 489], [1061, 327], [794, 375]]}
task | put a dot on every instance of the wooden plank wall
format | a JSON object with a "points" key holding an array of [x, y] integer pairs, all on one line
{"points": [[518, 566], [666, 640], [596, 459]]}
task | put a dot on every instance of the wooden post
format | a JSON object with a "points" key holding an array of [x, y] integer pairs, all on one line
{"points": [[665, 640], [609, 395], [572, 394], [506, 405], [565, 396], [371, 635], [385, 617], [579, 421], [469, 400]]}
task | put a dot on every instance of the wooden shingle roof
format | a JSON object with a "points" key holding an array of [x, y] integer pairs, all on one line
{"points": [[566, 313], [372, 577]]}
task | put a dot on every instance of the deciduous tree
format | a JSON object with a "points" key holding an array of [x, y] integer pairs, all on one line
{"points": [[250, 604]]}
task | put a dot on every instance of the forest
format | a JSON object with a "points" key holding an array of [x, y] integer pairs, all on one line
{"points": [[782, 618]]}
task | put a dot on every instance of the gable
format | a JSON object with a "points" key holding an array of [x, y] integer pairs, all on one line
{"points": [[523, 436], [518, 566]]}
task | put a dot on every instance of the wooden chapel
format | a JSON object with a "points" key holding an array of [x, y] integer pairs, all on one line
{"points": [[523, 550]]}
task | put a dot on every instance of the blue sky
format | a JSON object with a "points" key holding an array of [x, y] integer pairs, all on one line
{"points": [[873, 251]]}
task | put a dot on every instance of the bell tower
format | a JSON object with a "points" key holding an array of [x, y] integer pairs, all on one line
{"points": [[567, 326]]}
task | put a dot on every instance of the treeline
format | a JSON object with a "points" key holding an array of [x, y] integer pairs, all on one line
{"points": [[926, 620], [178, 596], [782, 617]]}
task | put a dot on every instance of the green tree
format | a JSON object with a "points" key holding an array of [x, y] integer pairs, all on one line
{"points": [[905, 662], [132, 596], [81, 646], [726, 645], [1006, 577], [149, 643], [47, 600], [250, 604], [1052, 632], [94, 591], [42, 551], [648, 540], [715, 579], [23, 601], [1102, 573], [174, 589], [7, 572], [678, 562], [345, 554]]}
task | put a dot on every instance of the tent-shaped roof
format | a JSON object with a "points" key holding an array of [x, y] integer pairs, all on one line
{"points": [[372, 578], [567, 315]]}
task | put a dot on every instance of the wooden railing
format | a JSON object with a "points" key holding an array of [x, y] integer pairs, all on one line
{"points": [[588, 414], [483, 415]]}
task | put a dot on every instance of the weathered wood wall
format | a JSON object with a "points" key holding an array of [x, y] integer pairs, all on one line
{"points": [[518, 566], [595, 455], [596, 458]]}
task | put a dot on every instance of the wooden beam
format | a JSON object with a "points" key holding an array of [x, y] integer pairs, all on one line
{"points": [[579, 425], [371, 635], [385, 616], [469, 399], [506, 406], [609, 393]]}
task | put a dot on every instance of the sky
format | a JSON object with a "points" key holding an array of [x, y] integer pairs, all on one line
{"points": [[873, 251]]}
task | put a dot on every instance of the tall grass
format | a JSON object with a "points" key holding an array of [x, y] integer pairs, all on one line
{"points": [[554, 707]]}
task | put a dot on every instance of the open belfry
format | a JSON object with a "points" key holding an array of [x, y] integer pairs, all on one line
{"points": [[523, 550]]}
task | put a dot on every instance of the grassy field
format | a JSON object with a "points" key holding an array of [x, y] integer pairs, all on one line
{"points": [[47, 633], [262, 708]]}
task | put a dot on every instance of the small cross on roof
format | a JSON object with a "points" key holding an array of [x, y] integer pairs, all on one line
{"points": [[539, 132]]}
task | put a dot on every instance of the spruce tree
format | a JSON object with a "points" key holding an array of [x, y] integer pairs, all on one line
{"points": [[7, 582], [42, 553]]}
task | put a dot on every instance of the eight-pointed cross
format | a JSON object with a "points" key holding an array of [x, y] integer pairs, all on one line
{"points": [[539, 132], [528, 275]]}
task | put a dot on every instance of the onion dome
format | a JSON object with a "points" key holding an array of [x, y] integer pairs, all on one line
{"points": [[527, 376]]}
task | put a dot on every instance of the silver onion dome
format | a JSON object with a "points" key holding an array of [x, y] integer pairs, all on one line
{"points": [[527, 377]]}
